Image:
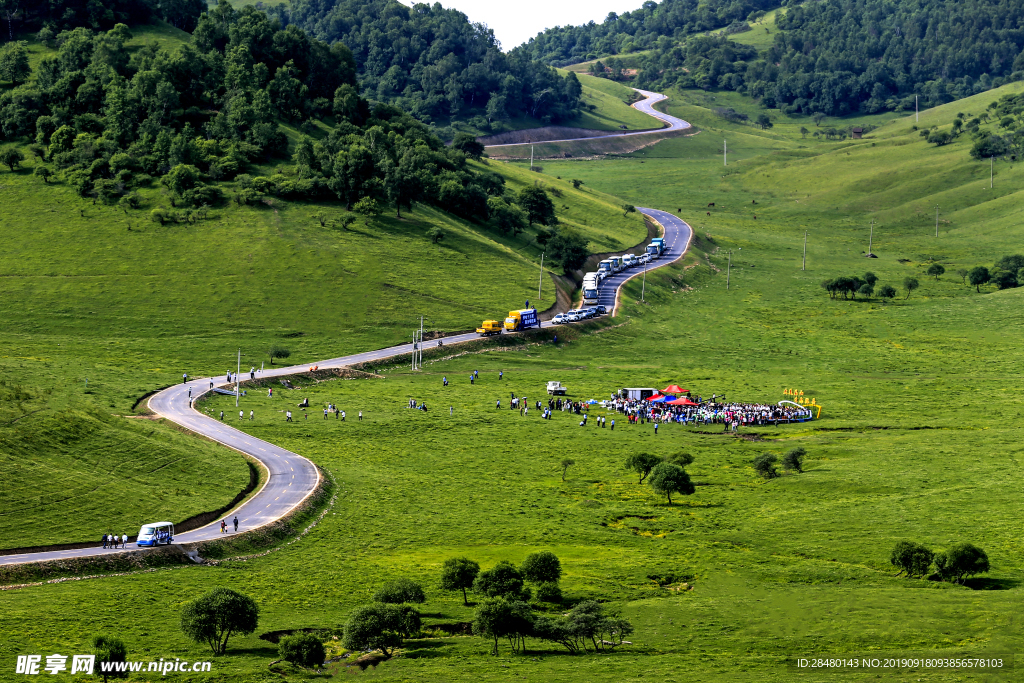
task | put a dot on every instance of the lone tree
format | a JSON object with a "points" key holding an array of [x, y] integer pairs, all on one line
{"points": [[681, 458], [380, 627], [576, 183], [961, 561], [936, 269], [43, 172], [459, 573], [503, 580], [278, 352], [887, 292], [910, 284], [978, 276], [628, 209], [565, 465], [763, 121], [542, 567], [399, 591], [668, 478], [435, 234], [303, 649], [367, 206], [109, 649], [963, 273], [794, 459], [642, 464], [764, 465], [214, 617], [11, 157], [912, 559]]}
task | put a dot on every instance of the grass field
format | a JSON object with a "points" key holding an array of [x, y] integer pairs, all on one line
{"points": [[919, 437]]}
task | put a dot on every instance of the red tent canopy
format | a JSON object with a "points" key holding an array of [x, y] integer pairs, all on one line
{"points": [[654, 396], [681, 402], [676, 389]]}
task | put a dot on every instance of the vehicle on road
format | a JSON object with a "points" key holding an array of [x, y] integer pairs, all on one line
{"points": [[591, 290], [489, 327], [601, 310], [572, 317], [656, 247], [644, 258], [157, 533], [607, 267], [584, 313], [560, 319], [522, 319], [629, 260], [556, 389], [617, 264]]}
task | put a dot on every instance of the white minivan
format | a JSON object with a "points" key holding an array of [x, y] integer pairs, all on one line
{"points": [[157, 533]]}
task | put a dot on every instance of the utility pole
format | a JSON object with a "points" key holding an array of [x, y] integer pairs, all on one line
{"points": [[643, 287], [421, 342], [804, 267], [936, 220], [917, 116], [412, 366], [238, 369], [540, 279], [871, 237], [991, 170], [531, 157], [728, 271], [725, 153]]}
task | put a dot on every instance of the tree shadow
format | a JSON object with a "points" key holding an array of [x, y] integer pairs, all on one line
{"points": [[979, 583]]}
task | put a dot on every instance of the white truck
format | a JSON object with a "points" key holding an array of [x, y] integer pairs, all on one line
{"points": [[556, 389]]}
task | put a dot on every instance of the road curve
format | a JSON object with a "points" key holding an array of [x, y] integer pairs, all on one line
{"points": [[645, 105], [292, 478]]}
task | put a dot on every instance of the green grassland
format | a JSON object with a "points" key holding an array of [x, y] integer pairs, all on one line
{"points": [[919, 437], [758, 36], [612, 111]]}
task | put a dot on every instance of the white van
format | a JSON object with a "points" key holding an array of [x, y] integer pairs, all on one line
{"points": [[157, 533], [629, 260]]}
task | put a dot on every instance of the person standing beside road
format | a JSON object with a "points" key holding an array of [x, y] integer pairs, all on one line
{"points": [[222, 416], [184, 377], [223, 525], [104, 541], [124, 540], [236, 523]]}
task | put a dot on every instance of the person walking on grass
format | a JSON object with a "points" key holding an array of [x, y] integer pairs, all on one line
{"points": [[241, 414], [360, 415], [325, 413], [343, 416], [613, 424], [501, 374], [250, 416], [451, 410], [655, 428], [288, 416]]}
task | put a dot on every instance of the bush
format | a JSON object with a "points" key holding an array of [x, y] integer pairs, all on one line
{"points": [[549, 592], [794, 459], [380, 627], [961, 561], [764, 465], [276, 351], [912, 559], [501, 581], [399, 591], [542, 567], [303, 649]]}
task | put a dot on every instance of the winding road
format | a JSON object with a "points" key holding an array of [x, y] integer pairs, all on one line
{"points": [[292, 478], [645, 105]]}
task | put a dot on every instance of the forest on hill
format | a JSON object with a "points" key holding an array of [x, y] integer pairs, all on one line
{"points": [[840, 56], [434, 62], [63, 15]]}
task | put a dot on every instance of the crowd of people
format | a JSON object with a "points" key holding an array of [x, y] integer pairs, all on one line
{"points": [[113, 541], [730, 415]]}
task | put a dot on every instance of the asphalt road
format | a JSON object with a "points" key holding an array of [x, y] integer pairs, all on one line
{"points": [[292, 477], [645, 105]]}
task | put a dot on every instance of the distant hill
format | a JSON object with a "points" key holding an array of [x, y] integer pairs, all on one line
{"points": [[434, 62], [835, 57]]}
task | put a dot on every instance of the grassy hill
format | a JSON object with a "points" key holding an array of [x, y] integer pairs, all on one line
{"points": [[918, 438]]}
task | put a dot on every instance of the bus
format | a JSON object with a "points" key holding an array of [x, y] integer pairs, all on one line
{"points": [[157, 533], [590, 292]]}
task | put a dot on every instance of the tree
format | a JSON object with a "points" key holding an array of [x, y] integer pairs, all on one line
{"points": [[1004, 279], [278, 352], [628, 209], [11, 157], [569, 248], [764, 121], [43, 172], [459, 573], [468, 145], [912, 559], [978, 276], [380, 627], [963, 272], [503, 618], [538, 206], [435, 234], [14, 65], [565, 465], [764, 465], [302, 649], [961, 561], [818, 118], [509, 218], [865, 290], [870, 278], [682, 458], [549, 592], [367, 206], [542, 567], [804, 131], [940, 137], [794, 459], [910, 284], [321, 216], [108, 649], [887, 292], [502, 580], [214, 617], [399, 591], [181, 178], [576, 183], [668, 478], [1010, 263], [935, 270], [642, 464]]}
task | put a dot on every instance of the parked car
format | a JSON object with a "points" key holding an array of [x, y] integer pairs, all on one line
{"points": [[601, 310], [559, 319], [572, 317], [585, 313], [644, 258]]}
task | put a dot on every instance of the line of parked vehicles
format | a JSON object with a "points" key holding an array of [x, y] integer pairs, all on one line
{"points": [[589, 307]]}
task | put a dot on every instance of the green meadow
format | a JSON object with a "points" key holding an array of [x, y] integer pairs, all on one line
{"points": [[918, 437]]}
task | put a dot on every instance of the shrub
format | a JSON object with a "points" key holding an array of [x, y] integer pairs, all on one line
{"points": [[961, 561], [504, 580], [764, 465], [216, 616], [380, 627], [399, 591], [912, 559], [303, 649], [542, 567], [549, 592], [794, 459]]}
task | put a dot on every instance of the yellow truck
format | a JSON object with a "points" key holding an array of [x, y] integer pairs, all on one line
{"points": [[524, 319], [489, 327]]}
